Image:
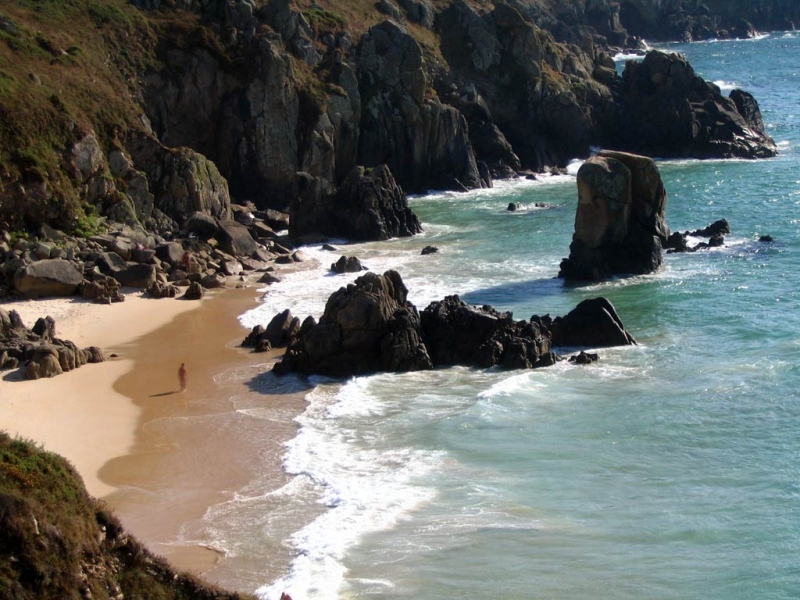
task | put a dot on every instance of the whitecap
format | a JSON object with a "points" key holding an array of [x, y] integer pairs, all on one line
{"points": [[725, 86]]}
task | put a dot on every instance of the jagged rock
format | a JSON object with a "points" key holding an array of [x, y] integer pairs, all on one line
{"points": [[52, 277], [45, 328], [347, 264], [492, 147], [276, 220], [429, 250], [257, 340], [388, 8], [747, 107], [128, 274], [253, 337], [368, 206], [669, 111], [137, 276], [268, 278], [368, 326], [182, 180], [101, 288], [43, 363], [593, 323], [620, 220], [281, 329], [231, 267], [202, 225], [162, 290], [721, 227], [217, 280], [171, 252], [584, 358], [235, 239], [40, 352], [424, 143], [195, 291], [458, 334], [678, 242], [85, 158], [418, 11]]}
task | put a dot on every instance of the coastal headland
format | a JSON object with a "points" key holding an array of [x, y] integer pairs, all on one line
{"points": [[168, 145]]}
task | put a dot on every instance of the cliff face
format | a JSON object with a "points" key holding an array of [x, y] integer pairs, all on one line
{"points": [[145, 112]]}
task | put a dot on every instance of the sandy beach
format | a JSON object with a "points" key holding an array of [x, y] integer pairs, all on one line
{"points": [[78, 414], [157, 455]]}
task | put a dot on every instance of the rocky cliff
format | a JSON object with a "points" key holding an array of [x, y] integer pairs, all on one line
{"points": [[145, 112]]}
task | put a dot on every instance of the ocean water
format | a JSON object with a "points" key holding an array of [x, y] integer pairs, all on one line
{"points": [[670, 469]]}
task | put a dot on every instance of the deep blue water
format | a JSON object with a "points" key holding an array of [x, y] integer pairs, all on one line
{"points": [[667, 470]]}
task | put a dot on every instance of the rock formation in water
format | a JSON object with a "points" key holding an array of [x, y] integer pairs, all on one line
{"points": [[620, 221], [369, 326], [672, 112]]}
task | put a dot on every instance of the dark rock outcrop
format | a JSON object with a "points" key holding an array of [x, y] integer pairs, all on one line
{"points": [[347, 264], [37, 351], [593, 323], [369, 205], [195, 291], [369, 326], [458, 334], [666, 110], [234, 238], [620, 221], [424, 142], [271, 101], [715, 233]]}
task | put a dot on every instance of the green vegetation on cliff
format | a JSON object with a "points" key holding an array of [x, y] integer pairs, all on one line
{"points": [[68, 67], [60, 543], [104, 102]]}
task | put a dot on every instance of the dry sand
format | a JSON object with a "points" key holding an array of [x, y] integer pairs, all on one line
{"points": [[138, 442], [78, 414]]}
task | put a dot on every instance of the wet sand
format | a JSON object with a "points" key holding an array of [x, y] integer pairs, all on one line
{"points": [[158, 456], [191, 450]]}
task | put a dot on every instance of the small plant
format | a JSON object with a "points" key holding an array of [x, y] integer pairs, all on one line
{"points": [[8, 83], [88, 222], [324, 19]]}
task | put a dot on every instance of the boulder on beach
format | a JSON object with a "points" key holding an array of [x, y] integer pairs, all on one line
{"points": [[50, 277], [37, 350]]}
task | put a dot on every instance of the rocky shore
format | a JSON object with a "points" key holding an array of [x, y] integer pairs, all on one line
{"points": [[332, 114]]}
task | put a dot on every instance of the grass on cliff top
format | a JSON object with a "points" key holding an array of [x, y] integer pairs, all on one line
{"points": [[66, 67]]}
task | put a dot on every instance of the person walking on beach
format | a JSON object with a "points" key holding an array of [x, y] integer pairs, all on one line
{"points": [[182, 376]]}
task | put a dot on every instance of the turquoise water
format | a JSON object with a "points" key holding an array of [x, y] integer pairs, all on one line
{"points": [[667, 470]]}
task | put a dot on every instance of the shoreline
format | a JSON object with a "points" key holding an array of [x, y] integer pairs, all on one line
{"points": [[140, 444], [189, 454]]}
